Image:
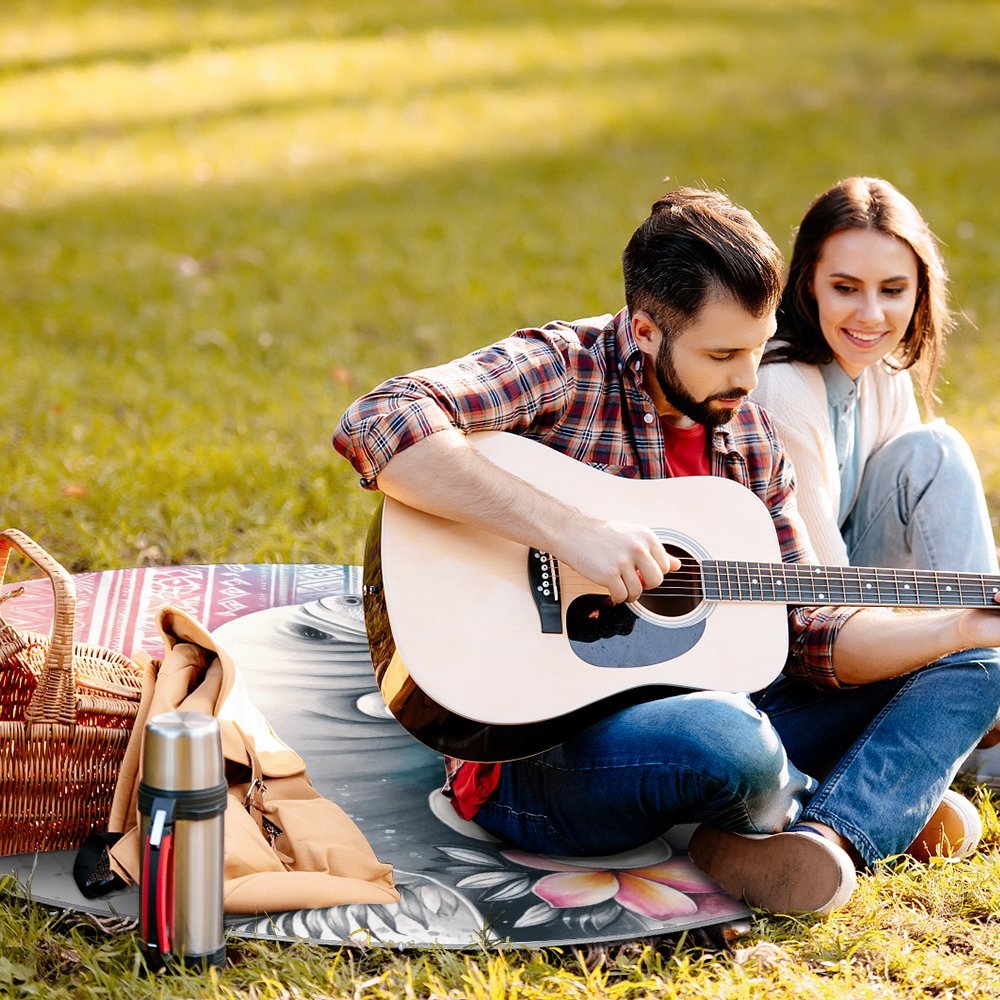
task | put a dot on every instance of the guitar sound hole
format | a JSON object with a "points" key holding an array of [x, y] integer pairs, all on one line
{"points": [[680, 593]]}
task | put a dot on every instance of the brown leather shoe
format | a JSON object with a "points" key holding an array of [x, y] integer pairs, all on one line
{"points": [[788, 872], [953, 832]]}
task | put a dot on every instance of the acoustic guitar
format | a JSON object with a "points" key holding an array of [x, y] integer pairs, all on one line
{"points": [[489, 650]]}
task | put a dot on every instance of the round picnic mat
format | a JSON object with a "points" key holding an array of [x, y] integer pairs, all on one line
{"points": [[297, 636]]}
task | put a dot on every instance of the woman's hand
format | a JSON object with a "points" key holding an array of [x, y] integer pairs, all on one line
{"points": [[980, 627]]}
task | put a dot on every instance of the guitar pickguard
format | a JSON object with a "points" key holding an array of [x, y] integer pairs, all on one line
{"points": [[613, 635]]}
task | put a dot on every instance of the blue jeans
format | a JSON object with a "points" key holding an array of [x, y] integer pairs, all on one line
{"points": [[884, 753], [921, 506], [694, 757]]}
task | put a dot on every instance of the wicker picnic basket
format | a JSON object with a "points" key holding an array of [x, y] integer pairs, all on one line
{"points": [[66, 711]]}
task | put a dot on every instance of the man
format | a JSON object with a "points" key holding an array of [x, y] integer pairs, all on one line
{"points": [[853, 748]]}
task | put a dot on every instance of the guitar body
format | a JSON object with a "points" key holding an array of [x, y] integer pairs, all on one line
{"points": [[458, 636]]}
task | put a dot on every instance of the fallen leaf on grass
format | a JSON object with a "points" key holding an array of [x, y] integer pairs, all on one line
{"points": [[765, 954], [111, 925], [58, 954]]}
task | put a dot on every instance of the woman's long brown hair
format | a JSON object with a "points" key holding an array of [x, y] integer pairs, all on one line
{"points": [[866, 203]]}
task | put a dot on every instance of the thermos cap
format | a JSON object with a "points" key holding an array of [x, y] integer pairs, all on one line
{"points": [[182, 752]]}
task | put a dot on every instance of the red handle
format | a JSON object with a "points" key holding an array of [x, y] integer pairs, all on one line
{"points": [[156, 897], [165, 893]]}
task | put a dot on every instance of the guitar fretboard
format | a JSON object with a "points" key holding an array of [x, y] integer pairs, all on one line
{"points": [[800, 583]]}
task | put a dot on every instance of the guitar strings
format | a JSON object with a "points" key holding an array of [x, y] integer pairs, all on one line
{"points": [[690, 581], [834, 598]]}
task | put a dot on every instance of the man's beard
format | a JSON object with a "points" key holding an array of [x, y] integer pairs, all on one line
{"points": [[680, 399]]}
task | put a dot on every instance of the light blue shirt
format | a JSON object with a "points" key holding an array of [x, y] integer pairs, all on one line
{"points": [[842, 402]]}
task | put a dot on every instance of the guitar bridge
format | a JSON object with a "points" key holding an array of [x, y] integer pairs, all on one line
{"points": [[543, 578]]}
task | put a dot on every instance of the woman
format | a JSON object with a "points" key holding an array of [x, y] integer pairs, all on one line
{"points": [[865, 304]]}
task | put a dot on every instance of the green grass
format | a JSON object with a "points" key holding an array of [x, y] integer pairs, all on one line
{"points": [[910, 932], [221, 221]]}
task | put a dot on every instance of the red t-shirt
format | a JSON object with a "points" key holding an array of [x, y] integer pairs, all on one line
{"points": [[686, 455], [686, 450]]}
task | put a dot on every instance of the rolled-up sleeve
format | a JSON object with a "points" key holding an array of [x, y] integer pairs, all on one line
{"points": [[382, 423], [515, 384], [812, 632]]}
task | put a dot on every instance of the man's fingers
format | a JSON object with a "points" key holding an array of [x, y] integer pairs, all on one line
{"points": [[651, 568], [626, 558], [667, 562], [633, 583]]}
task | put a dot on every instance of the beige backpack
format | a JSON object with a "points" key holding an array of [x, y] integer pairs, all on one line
{"points": [[286, 847]]}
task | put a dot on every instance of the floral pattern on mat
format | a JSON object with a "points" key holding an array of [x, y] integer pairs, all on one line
{"points": [[591, 895]]}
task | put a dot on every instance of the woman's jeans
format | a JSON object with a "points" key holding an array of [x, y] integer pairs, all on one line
{"points": [[921, 506], [872, 761]]}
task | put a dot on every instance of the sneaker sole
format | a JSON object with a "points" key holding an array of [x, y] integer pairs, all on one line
{"points": [[952, 833], [782, 872]]}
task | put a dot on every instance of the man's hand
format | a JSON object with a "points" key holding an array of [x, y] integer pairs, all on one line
{"points": [[443, 475], [624, 558]]}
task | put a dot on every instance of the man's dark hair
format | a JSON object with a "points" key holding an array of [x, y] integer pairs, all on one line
{"points": [[694, 244]]}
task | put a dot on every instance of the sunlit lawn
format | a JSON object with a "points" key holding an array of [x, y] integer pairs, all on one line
{"points": [[222, 221]]}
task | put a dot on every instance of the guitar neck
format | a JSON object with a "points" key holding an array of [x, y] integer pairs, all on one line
{"points": [[801, 583]]}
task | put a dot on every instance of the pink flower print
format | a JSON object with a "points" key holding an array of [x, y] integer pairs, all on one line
{"points": [[659, 891]]}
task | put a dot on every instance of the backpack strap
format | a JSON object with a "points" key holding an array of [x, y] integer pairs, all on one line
{"points": [[92, 866]]}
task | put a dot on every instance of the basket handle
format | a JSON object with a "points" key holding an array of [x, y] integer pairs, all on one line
{"points": [[54, 700]]}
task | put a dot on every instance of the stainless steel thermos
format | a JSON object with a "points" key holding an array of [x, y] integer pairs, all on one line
{"points": [[182, 800]]}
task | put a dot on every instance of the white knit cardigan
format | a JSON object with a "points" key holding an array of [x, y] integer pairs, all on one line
{"points": [[794, 395]]}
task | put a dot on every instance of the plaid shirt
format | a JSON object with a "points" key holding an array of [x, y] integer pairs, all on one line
{"points": [[577, 387]]}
